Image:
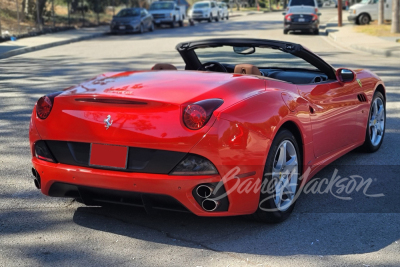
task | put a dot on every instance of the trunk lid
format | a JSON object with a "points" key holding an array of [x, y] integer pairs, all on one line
{"points": [[144, 108]]}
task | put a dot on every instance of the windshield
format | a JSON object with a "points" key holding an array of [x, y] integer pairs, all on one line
{"points": [[302, 3], [365, 2], [161, 5], [263, 57], [128, 13], [201, 5]]}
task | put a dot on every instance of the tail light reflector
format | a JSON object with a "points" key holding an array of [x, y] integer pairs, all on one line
{"points": [[196, 115], [42, 151], [45, 104], [315, 17], [288, 17]]}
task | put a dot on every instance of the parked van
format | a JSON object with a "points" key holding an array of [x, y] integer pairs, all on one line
{"points": [[367, 10]]}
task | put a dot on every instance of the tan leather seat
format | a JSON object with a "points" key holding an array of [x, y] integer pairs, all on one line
{"points": [[247, 69], [163, 66]]}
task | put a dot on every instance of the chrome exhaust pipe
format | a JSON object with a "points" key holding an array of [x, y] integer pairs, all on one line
{"points": [[37, 178], [204, 191], [209, 204]]}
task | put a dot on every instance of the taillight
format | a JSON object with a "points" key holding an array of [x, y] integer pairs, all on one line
{"points": [[315, 17], [194, 165], [42, 151], [316, 10], [196, 115], [288, 17], [45, 104]]}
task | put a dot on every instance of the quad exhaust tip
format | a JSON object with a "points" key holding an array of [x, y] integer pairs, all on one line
{"points": [[209, 204], [204, 191], [36, 179]]}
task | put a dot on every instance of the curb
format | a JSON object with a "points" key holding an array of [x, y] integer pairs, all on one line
{"points": [[48, 45], [371, 50]]}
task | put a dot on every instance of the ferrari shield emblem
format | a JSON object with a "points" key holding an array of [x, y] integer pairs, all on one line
{"points": [[359, 82], [108, 122]]}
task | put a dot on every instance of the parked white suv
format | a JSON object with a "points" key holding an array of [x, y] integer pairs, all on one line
{"points": [[223, 10], [204, 10], [367, 10]]}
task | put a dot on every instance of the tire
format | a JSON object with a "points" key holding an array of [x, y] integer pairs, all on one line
{"points": [[217, 18], [181, 23], [151, 29], [210, 18], [363, 19], [285, 31], [172, 25], [141, 29], [375, 130], [227, 17], [278, 169], [316, 32]]}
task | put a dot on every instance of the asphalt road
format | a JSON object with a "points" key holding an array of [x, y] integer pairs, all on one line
{"points": [[323, 230]]}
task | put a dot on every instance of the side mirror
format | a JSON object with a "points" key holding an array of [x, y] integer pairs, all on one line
{"points": [[284, 13], [345, 75], [177, 8], [319, 14]]}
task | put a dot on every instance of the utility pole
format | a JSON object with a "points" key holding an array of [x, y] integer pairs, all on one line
{"points": [[339, 7], [395, 17], [381, 18]]}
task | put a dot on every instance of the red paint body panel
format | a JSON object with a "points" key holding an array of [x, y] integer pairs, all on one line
{"points": [[328, 116], [108, 156]]}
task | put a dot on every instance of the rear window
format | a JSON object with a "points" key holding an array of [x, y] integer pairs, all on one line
{"points": [[161, 5], [128, 13], [302, 3]]}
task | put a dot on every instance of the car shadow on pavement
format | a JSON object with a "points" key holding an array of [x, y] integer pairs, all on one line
{"points": [[345, 227]]}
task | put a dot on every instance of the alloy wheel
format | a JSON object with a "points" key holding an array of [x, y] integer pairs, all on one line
{"points": [[285, 174], [377, 121]]}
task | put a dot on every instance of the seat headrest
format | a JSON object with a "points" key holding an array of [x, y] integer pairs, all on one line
{"points": [[247, 69], [163, 66]]}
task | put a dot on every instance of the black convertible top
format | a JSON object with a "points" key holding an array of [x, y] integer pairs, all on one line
{"points": [[187, 51]]}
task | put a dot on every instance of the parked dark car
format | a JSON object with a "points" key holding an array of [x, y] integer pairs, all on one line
{"points": [[132, 20], [303, 18]]}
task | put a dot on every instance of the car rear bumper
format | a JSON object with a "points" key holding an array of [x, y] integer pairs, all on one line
{"points": [[301, 26], [127, 28], [62, 180]]}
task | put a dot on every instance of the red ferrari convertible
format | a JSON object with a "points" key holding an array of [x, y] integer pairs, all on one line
{"points": [[232, 134]]}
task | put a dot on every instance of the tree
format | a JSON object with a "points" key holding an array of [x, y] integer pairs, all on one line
{"points": [[395, 16], [381, 12]]}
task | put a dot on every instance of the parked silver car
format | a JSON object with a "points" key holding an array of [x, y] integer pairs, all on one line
{"points": [[132, 20]]}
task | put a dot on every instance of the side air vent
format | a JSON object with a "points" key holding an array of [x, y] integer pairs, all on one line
{"points": [[362, 98]]}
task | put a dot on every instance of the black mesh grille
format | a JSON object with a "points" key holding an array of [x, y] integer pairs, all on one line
{"points": [[139, 159]]}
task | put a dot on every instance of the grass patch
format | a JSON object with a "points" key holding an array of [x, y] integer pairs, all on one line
{"points": [[376, 30]]}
